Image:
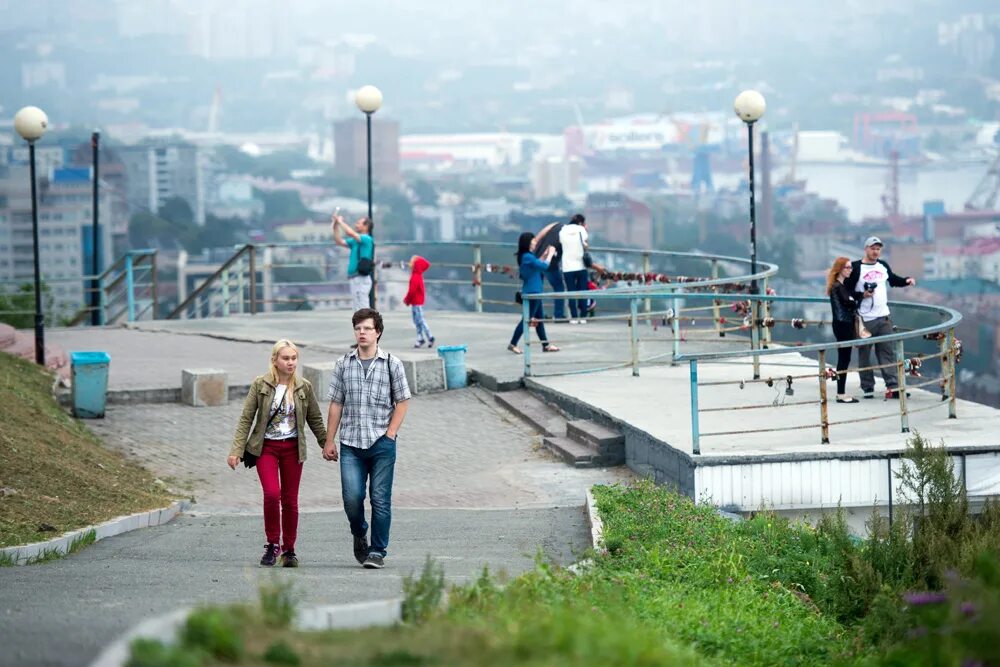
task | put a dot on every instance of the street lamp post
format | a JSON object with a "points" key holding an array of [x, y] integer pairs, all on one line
{"points": [[31, 123], [369, 100], [95, 268], [750, 107]]}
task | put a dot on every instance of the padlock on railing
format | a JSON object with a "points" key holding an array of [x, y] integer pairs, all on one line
{"points": [[788, 386]]}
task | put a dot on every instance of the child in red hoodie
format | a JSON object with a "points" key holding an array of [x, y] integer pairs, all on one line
{"points": [[415, 300]]}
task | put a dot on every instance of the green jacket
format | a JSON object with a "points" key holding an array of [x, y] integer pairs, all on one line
{"points": [[257, 408]]}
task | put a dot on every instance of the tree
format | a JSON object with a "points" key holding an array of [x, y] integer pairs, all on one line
{"points": [[281, 205], [177, 211], [425, 192]]}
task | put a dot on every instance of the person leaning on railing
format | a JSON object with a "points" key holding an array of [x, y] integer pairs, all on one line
{"points": [[844, 308]]}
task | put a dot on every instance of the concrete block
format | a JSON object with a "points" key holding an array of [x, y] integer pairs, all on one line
{"points": [[424, 374], [319, 375], [204, 387]]}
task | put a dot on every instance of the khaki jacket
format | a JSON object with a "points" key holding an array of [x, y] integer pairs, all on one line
{"points": [[257, 408]]}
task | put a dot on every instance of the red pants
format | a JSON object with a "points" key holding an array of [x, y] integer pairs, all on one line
{"points": [[280, 459]]}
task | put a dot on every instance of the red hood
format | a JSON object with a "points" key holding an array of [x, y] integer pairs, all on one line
{"points": [[420, 264]]}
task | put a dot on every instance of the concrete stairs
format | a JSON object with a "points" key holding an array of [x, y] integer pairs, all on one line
{"points": [[581, 443]]}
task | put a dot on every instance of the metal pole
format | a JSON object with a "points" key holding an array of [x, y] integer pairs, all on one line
{"points": [[648, 303], [766, 305], [695, 436], [477, 275], [156, 302], [95, 268], [824, 420], [39, 316], [526, 319], [716, 315], [675, 329], [633, 325], [253, 280], [754, 332], [372, 295], [953, 372], [130, 287], [888, 462], [901, 387]]}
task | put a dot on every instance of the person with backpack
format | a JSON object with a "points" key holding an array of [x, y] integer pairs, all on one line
{"points": [[361, 264], [271, 436], [368, 401]]}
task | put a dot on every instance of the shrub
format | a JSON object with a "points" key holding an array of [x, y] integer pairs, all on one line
{"points": [[153, 653], [281, 653], [216, 631], [422, 596], [277, 603]]}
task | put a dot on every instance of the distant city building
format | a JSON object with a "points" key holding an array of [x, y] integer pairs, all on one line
{"points": [[350, 149], [555, 176], [158, 171], [64, 231], [617, 218]]}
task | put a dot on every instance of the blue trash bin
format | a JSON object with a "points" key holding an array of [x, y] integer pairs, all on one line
{"points": [[454, 365], [90, 383]]}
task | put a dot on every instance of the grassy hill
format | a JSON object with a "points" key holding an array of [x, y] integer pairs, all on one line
{"points": [[55, 475]]}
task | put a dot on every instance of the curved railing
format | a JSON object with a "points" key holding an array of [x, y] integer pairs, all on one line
{"points": [[668, 318]]}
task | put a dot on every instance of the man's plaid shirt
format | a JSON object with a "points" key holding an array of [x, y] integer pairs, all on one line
{"points": [[365, 398]]}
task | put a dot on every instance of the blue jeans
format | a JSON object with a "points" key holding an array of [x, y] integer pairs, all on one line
{"points": [[537, 312], [375, 466], [576, 281], [423, 331], [555, 276]]}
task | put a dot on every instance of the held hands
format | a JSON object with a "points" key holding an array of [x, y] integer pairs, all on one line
{"points": [[911, 282], [549, 253], [330, 451], [232, 461]]}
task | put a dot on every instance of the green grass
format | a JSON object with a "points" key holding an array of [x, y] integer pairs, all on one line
{"points": [[7, 560], [677, 584], [62, 477], [76, 544]]}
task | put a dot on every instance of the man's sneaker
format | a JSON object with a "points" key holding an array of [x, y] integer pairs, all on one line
{"points": [[361, 548], [430, 343], [270, 556], [289, 559], [374, 562], [894, 394], [868, 394]]}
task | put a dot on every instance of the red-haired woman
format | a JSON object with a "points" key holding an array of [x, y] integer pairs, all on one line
{"points": [[844, 308]]}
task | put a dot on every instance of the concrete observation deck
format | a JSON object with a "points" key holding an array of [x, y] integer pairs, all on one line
{"points": [[782, 469]]}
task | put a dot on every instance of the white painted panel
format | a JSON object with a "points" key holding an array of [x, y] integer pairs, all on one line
{"points": [[982, 474]]}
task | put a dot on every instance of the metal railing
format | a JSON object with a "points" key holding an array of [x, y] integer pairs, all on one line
{"points": [[126, 290]]}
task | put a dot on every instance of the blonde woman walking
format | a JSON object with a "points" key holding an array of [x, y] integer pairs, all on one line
{"points": [[271, 437]]}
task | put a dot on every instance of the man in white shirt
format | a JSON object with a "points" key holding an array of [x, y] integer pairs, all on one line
{"points": [[573, 238], [871, 278]]}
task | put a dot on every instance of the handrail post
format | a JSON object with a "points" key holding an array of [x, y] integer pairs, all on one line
{"points": [[240, 287], [648, 303], [130, 287], [824, 420], [102, 300], [953, 368], [253, 280], [225, 293], [477, 275], [945, 371], [716, 315], [904, 417], [267, 279], [695, 435], [675, 328], [754, 335], [526, 320], [156, 292], [766, 315], [633, 322]]}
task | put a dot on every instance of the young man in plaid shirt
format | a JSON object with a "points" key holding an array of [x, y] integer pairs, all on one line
{"points": [[368, 400]]}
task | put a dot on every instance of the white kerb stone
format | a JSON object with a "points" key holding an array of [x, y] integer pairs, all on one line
{"points": [[319, 375], [204, 387]]}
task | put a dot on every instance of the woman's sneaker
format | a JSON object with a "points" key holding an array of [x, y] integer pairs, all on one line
{"points": [[270, 556], [289, 559]]}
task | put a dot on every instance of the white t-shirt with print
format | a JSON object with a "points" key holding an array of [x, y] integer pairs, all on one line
{"points": [[283, 425], [572, 238], [878, 304]]}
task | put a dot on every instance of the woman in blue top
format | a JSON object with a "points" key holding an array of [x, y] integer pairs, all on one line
{"points": [[532, 268]]}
